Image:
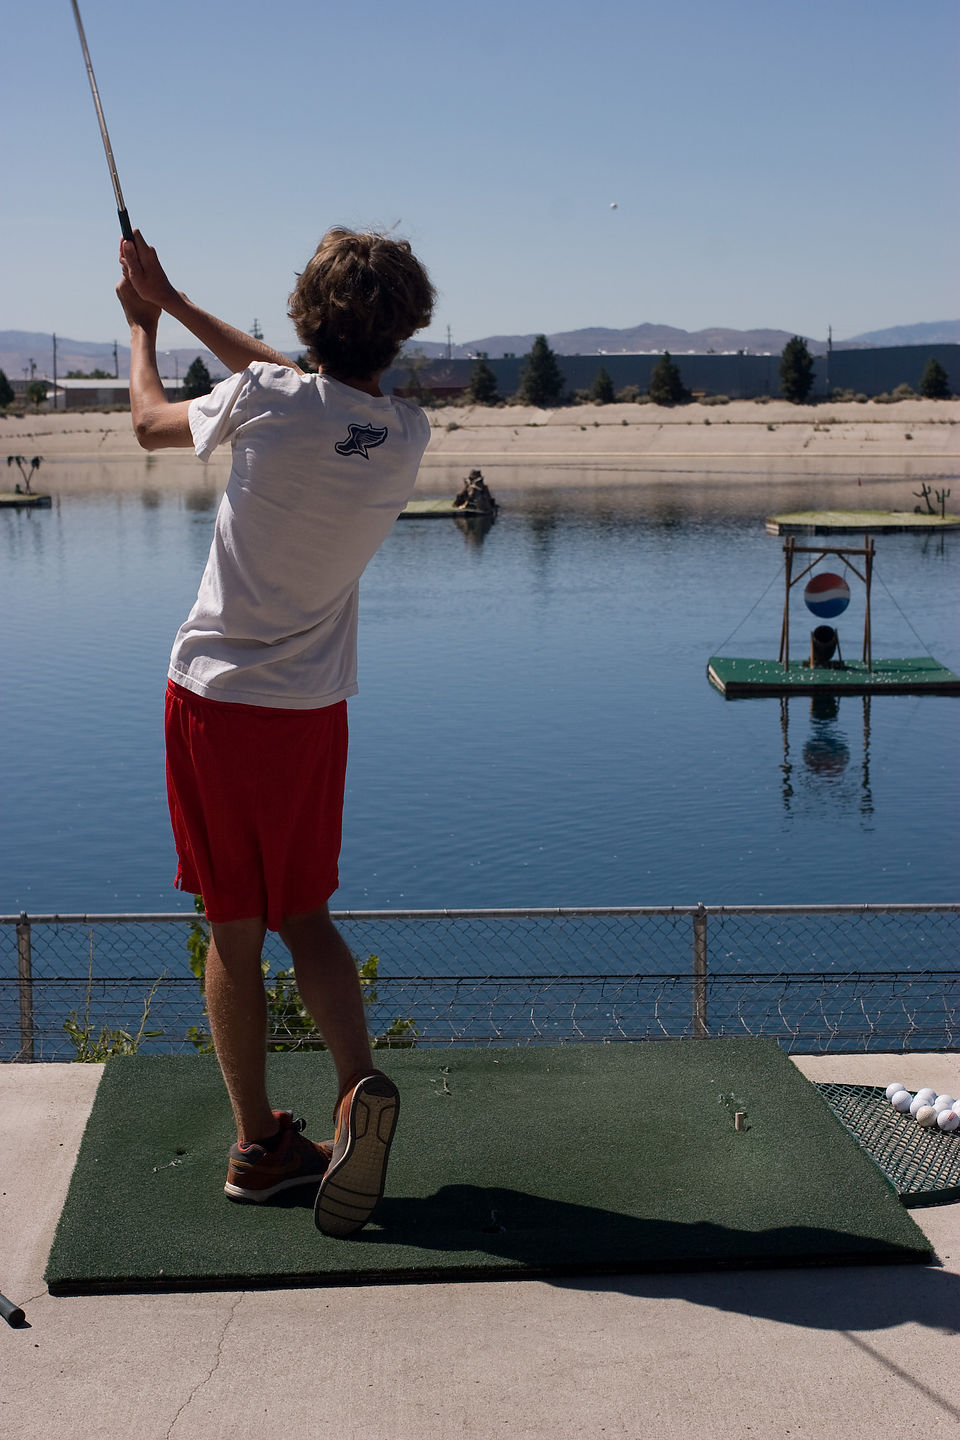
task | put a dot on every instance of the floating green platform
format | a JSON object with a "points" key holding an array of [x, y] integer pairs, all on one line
{"points": [[430, 509], [828, 522], [739, 679], [10, 500]]}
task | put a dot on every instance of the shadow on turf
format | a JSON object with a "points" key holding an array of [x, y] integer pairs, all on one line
{"points": [[531, 1231], [590, 1248]]}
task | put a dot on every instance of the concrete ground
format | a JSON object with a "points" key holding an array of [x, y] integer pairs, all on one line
{"points": [[838, 1352]]}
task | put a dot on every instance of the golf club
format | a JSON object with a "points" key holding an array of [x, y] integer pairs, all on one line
{"points": [[10, 1312], [125, 226]]}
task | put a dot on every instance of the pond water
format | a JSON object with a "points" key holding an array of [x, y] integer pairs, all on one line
{"points": [[534, 728]]}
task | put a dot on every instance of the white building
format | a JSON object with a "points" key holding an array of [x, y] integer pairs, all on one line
{"points": [[96, 393]]}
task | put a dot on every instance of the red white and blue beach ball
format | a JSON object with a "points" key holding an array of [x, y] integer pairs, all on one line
{"points": [[827, 595]]}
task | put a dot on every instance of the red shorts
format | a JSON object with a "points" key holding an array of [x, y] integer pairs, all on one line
{"points": [[256, 803]]}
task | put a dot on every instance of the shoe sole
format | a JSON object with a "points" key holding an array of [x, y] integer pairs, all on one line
{"points": [[353, 1186]]}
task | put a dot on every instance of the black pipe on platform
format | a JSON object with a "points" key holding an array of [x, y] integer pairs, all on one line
{"points": [[823, 642]]}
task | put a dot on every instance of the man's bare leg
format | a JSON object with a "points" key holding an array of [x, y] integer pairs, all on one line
{"points": [[329, 987], [368, 1105], [237, 1007]]}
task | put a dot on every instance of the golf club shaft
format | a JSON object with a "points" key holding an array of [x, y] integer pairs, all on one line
{"points": [[125, 226]]}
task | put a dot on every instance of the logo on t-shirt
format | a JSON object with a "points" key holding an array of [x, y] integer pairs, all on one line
{"points": [[360, 439]]}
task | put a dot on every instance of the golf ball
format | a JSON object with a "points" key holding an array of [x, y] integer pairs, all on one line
{"points": [[926, 1096], [918, 1102], [893, 1089], [902, 1100], [926, 1116], [944, 1102], [949, 1121]]}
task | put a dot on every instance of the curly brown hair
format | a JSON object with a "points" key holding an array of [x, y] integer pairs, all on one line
{"points": [[359, 298]]}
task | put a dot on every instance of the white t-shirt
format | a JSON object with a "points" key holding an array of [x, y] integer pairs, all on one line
{"points": [[320, 473]]}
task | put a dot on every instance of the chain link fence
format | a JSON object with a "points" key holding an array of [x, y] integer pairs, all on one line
{"points": [[815, 978]]}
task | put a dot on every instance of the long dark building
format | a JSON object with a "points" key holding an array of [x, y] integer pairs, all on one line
{"points": [[740, 377]]}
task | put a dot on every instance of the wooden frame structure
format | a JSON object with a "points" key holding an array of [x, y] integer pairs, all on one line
{"points": [[819, 553]]}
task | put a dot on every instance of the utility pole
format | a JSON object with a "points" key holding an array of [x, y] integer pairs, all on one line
{"points": [[54, 372], [116, 362], [829, 353], [449, 345]]}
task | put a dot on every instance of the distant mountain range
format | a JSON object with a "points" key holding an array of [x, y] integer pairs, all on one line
{"points": [[932, 332], [18, 348]]}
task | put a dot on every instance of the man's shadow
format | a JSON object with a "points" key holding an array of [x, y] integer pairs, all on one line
{"points": [[472, 1232]]}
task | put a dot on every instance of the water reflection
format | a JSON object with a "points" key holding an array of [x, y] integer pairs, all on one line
{"points": [[934, 543], [201, 500], [474, 528], [822, 771], [572, 640]]}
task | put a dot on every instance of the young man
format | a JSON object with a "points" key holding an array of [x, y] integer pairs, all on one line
{"points": [[256, 699]]}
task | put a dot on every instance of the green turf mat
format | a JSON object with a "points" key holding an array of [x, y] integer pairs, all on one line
{"points": [[581, 1159], [923, 1166]]}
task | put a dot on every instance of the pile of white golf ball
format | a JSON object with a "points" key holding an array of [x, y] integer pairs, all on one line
{"points": [[926, 1106]]}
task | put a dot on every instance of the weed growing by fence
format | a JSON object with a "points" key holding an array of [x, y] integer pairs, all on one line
{"points": [[110, 1040]]}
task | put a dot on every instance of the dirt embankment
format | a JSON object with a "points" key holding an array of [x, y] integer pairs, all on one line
{"points": [[575, 445]]}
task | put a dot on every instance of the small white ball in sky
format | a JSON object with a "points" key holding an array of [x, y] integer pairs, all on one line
{"points": [[943, 1102], [926, 1096], [902, 1100], [613, 204], [926, 1116], [893, 1088], [949, 1121]]}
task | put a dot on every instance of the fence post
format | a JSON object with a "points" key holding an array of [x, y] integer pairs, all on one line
{"points": [[700, 971], [25, 985]]}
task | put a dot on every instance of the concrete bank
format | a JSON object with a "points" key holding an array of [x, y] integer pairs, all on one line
{"points": [[847, 1352], [741, 435]]}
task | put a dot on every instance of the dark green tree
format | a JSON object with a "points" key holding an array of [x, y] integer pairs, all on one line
{"points": [[541, 382], [482, 389], [601, 391], [666, 385], [7, 395], [196, 381], [37, 392], [796, 371], [934, 382]]}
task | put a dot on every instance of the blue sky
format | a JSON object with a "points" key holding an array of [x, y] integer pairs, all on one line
{"points": [[777, 164]]}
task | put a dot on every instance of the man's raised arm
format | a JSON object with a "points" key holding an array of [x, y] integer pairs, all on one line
{"points": [[157, 423]]}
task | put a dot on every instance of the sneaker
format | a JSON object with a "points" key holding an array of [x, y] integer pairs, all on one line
{"points": [[285, 1118], [256, 1173], [366, 1117]]}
